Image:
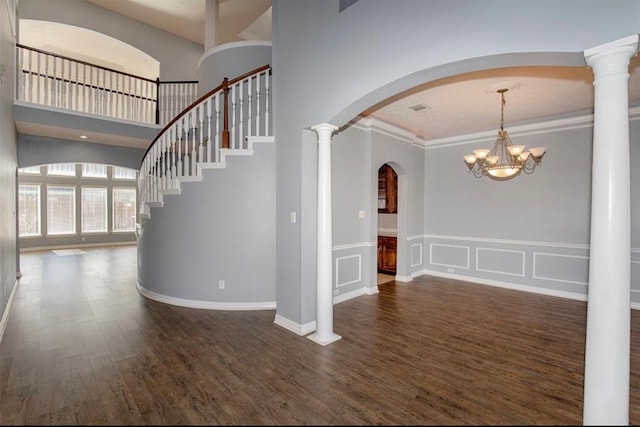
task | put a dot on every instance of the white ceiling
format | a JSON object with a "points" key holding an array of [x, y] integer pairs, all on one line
{"points": [[457, 105]]}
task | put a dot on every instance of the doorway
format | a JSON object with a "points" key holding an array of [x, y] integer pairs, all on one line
{"points": [[387, 223]]}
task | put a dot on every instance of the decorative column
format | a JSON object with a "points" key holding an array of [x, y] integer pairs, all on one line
{"points": [[607, 354], [324, 284], [211, 12]]}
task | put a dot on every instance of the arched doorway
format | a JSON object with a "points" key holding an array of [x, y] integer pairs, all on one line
{"points": [[387, 223]]}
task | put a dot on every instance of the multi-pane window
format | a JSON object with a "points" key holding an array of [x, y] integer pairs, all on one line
{"points": [[62, 169], [123, 173], [61, 210], [93, 170], [29, 210], [66, 199], [124, 209], [94, 209]]}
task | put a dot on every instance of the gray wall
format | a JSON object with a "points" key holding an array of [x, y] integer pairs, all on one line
{"points": [[40, 150], [231, 60], [178, 57], [330, 65], [217, 229], [8, 162], [531, 232]]}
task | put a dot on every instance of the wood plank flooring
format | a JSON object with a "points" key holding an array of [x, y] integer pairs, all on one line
{"points": [[82, 347]]}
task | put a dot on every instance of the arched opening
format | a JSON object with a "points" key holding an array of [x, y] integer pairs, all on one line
{"points": [[387, 223], [88, 46]]}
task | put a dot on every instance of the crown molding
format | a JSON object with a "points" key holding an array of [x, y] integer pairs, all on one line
{"points": [[547, 126]]}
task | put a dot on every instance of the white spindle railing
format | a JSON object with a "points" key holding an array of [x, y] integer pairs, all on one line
{"points": [[56, 81], [195, 138], [174, 97]]}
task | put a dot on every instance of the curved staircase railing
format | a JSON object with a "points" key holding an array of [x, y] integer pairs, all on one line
{"points": [[218, 123]]}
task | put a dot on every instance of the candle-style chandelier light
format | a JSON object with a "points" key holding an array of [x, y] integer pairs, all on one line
{"points": [[504, 160]]}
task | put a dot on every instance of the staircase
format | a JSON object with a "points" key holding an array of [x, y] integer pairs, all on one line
{"points": [[226, 121]]}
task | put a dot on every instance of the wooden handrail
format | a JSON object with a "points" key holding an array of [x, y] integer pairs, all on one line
{"points": [[204, 97]]}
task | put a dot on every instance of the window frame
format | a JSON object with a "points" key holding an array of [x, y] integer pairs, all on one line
{"points": [[38, 209], [87, 188], [115, 189], [74, 205]]}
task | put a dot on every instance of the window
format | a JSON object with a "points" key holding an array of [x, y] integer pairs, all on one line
{"points": [[62, 169], [123, 173], [29, 210], [92, 170], [30, 170], [124, 209], [94, 209], [61, 210]]}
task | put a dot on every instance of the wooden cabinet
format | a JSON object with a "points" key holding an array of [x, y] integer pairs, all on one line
{"points": [[387, 190], [387, 248]]}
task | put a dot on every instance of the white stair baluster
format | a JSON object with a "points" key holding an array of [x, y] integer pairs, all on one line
{"points": [[232, 137], [241, 120], [201, 132], [266, 103], [180, 139], [249, 106], [257, 105], [174, 180], [192, 118], [165, 168], [209, 141], [216, 147]]}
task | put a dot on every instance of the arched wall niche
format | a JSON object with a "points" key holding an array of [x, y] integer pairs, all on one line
{"points": [[89, 46]]}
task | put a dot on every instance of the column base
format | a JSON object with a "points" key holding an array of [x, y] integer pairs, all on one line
{"points": [[324, 340]]}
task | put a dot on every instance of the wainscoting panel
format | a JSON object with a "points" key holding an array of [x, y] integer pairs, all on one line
{"points": [[500, 261], [348, 270], [550, 268], [416, 254], [561, 268], [455, 256]]}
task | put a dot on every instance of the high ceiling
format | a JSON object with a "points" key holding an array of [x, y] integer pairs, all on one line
{"points": [[453, 106], [238, 19]]}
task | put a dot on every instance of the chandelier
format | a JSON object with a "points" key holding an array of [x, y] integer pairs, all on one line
{"points": [[504, 160]]}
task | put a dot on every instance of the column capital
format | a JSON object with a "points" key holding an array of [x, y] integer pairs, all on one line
{"points": [[324, 127], [627, 46]]}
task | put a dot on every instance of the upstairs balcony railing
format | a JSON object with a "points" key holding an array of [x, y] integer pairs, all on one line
{"points": [[53, 80]]}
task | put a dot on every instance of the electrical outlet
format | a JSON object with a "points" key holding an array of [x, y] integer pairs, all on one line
{"points": [[361, 214], [336, 292], [221, 284], [449, 270]]}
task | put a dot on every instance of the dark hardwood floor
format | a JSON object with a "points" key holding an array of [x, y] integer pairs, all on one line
{"points": [[82, 347]]}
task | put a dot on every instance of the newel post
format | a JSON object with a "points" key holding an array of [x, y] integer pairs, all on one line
{"points": [[157, 100], [225, 115], [324, 285]]}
